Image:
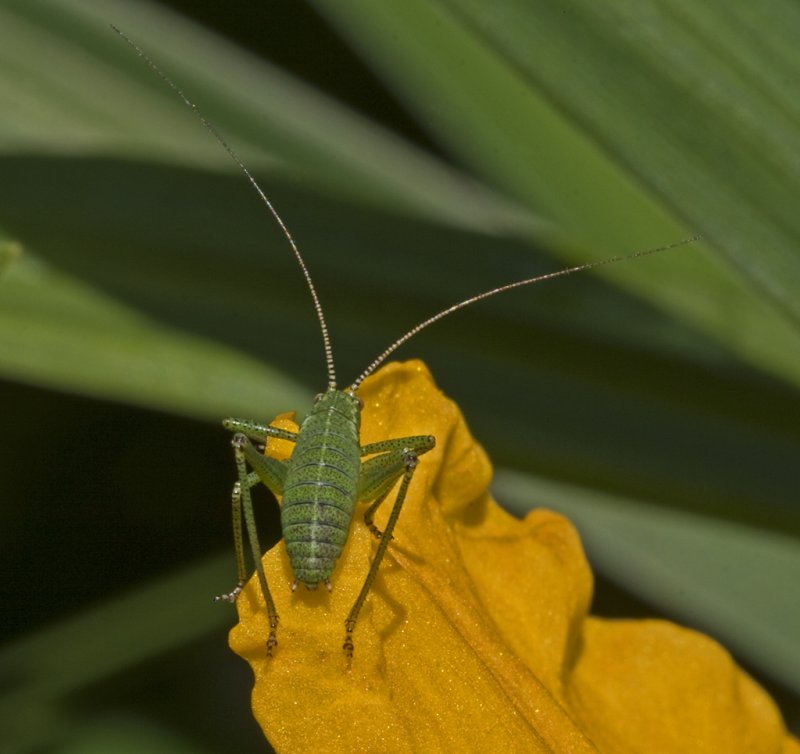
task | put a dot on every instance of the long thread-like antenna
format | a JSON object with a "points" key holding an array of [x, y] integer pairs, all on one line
{"points": [[224, 144], [494, 291]]}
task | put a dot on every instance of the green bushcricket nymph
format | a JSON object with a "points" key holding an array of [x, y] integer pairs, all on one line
{"points": [[329, 470]]}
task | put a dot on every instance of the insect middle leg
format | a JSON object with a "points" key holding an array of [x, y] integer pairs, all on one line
{"points": [[271, 473], [398, 459]]}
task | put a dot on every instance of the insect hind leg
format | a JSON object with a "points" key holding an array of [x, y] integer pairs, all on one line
{"points": [[379, 475]]}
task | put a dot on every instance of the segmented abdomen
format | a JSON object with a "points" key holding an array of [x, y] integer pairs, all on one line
{"points": [[320, 487]]}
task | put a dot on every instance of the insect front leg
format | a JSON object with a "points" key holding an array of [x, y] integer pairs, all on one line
{"points": [[398, 459], [271, 473]]}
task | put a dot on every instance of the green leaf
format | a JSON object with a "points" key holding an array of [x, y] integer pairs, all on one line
{"points": [[625, 126], [57, 331], [64, 659], [125, 736]]}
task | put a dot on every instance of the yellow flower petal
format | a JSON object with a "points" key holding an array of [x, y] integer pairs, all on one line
{"points": [[475, 632], [635, 679]]}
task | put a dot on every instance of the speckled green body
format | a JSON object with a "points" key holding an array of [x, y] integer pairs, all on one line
{"points": [[321, 486]]}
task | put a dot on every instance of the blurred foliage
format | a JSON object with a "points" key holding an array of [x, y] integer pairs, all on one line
{"points": [[420, 152]]}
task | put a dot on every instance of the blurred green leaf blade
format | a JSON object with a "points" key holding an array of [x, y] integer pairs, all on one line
{"points": [[542, 102], [58, 332]]}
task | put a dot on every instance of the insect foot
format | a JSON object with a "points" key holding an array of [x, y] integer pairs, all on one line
{"points": [[348, 647], [230, 596], [374, 530], [272, 639]]}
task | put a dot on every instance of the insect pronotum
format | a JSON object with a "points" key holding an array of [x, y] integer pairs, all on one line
{"points": [[329, 470]]}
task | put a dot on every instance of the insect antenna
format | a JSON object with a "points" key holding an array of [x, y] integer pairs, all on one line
{"points": [[501, 289], [326, 341]]}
